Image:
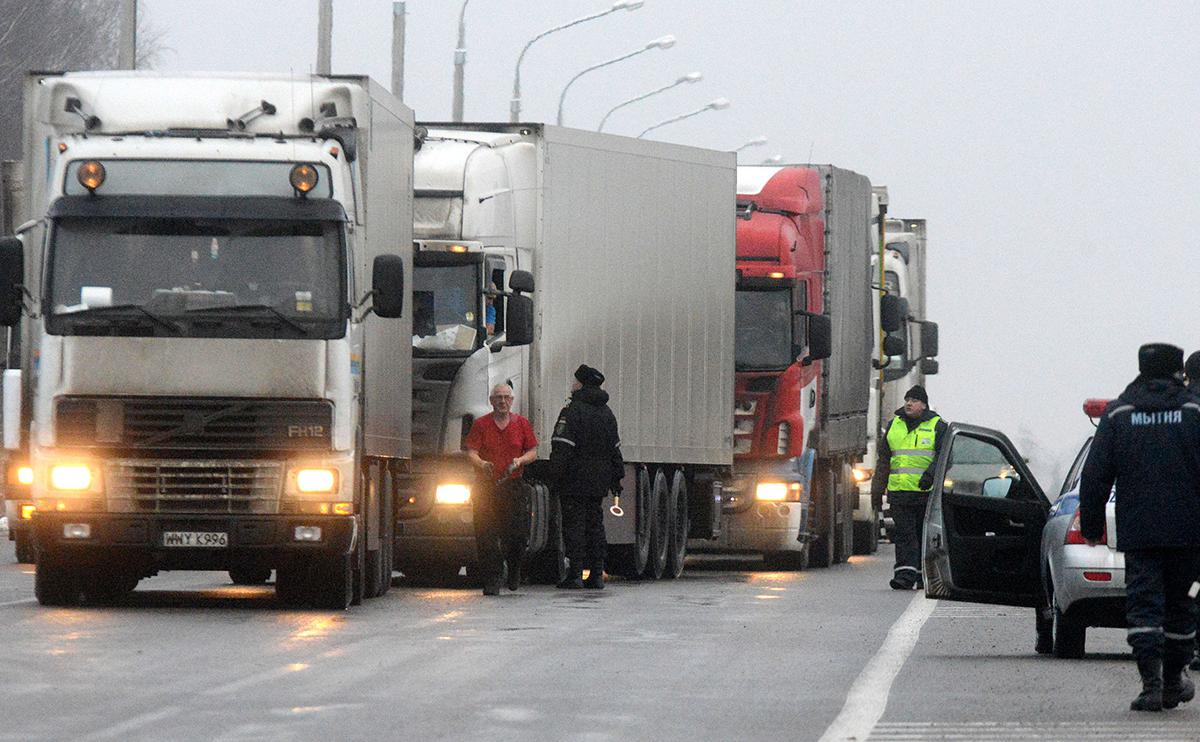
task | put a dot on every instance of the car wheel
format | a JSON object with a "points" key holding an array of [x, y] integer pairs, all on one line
{"points": [[1069, 636]]}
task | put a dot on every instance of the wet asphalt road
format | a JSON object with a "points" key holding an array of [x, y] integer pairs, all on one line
{"points": [[728, 652]]}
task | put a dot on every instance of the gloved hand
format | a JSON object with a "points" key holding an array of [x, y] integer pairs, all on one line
{"points": [[926, 482]]}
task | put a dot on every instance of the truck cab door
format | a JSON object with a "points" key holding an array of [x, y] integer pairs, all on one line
{"points": [[983, 526]]}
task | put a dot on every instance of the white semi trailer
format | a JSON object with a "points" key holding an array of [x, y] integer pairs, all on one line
{"points": [[627, 249], [214, 368]]}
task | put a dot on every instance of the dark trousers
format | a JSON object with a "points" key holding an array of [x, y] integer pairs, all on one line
{"points": [[1160, 613], [908, 517], [583, 530], [501, 513]]}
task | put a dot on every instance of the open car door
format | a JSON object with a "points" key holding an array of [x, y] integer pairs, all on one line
{"points": [[983, 526]]}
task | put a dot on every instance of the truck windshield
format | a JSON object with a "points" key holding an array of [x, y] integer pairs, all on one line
{"points": [[191, 276], [446, 309], [763, 340]]}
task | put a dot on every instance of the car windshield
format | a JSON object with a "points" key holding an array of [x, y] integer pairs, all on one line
{"points": [[196, 276], [446, 308], [763, 339]]}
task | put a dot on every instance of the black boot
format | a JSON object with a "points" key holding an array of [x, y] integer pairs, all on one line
{"points": [[495, 578], [595, 580], [514, 573], [1151, 697], [1177, 686], [574, 578]]}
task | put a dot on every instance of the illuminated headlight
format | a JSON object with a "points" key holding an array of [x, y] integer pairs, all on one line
{"points": [[785, 438], [452, 494], [778, 491], [316, 481], [25, 475], [71, 477], [862, 474]]}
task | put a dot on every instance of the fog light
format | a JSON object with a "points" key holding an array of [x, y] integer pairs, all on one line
{"points": [[77, 530], [70, 477], [27, 511], [307, 533], [452, 494]]}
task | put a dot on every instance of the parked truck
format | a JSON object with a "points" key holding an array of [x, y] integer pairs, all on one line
{"points": [[625, 246], [214, 362], [906, 347], [803, 359]]}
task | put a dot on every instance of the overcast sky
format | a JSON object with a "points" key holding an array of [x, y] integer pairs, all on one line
{"points": [[1054, 148]]}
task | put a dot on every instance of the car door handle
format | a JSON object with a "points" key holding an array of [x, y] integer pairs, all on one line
{"points": [[1016, 523]]}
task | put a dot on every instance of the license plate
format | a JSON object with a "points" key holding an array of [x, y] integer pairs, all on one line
{"points": [[195, 539]]}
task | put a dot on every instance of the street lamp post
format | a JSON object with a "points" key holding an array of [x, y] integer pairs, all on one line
{"points": [[688, 78], [717, 104], [755, 142], [514, 106], [664, 42], [460, 63]]}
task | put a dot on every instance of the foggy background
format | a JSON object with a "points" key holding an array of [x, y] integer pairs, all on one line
{"points": [[1053, 149]]}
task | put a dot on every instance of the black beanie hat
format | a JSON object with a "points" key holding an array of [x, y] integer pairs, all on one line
{"points": [[588, 376], [917, 393], [1160, 360], [1192, 367]]}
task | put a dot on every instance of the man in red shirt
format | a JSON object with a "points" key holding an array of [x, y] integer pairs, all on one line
{"points": [[498, 446]]}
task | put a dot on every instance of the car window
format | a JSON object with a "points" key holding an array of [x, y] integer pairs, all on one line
{"points": [[981, 468], [1071, 481]]}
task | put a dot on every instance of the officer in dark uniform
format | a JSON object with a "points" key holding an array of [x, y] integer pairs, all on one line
{"points": [[585, 460], [906, 451], [1148, 445], [1191, 369]]}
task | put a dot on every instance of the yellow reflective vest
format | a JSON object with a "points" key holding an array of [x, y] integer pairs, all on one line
{"points": [[912, 453]]}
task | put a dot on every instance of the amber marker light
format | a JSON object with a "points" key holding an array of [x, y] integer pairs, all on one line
{"points": [[91, 175], [27, 511], [304, 177]]}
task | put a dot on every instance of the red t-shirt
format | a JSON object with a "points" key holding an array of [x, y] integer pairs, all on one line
{"points": [[501, 446]]}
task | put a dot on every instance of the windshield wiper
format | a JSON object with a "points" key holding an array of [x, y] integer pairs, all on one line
{"points": [[119, 309], [243, 308]]}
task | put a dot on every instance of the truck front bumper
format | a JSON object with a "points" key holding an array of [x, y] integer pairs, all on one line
{"points": [[136, 541], [759, 526]]}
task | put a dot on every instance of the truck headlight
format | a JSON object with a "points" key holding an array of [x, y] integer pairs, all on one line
{"points": [[25, 475], [316, 481], [778, 491], [452, 494], [71, 477], [862, 473]]}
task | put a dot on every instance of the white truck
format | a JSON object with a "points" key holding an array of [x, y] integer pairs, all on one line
{"points": [[626, 247], [214, 368], [906, 345]]}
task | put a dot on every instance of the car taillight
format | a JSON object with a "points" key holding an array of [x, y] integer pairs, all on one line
{"points": [[1075, 533]]}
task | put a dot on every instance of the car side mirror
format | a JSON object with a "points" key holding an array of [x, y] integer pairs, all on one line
{"points": [[929, 339], [387, 286], [518, 320], [893, 345], [998, 487], [929, 366], [820, 338], [521, 281], [12, 279], [892, 312]]}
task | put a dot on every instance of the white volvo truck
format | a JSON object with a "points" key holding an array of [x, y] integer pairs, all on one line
{"points": [[215, 364], [626, 247]]}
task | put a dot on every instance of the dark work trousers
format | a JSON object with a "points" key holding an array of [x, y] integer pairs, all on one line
{"points": [[1160, 613], [501, 514], [908, 516], [583, 530]]}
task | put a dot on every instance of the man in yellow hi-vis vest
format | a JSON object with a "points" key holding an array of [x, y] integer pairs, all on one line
{"points": [[906, 451]]}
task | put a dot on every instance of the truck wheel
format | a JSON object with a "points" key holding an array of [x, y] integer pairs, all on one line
{"points": [[1070, 636], [866, 535], [821, 548], [54, 584], [25, 552], [660, 522], [677, 526], [843, 516], [104, 589], [333, 582], [292, 584], [629, 560], [249, 575], [786, 561], [549, 566]]}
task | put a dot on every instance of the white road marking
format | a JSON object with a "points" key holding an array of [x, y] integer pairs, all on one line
{"points": [[1050, 731], [868, 697], [24, 601]]}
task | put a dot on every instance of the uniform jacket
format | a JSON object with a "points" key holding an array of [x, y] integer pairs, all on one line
{"points": [[1148, 445], [883, 460], [585, 454]]}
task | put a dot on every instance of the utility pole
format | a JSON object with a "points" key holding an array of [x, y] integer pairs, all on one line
{"points": [[325, 37], [460, 63], [127, 41], [398, 50]]}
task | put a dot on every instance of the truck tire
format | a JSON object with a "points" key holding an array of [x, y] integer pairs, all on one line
{"points": [[249, 575], [54, 584], [677, 526], [292, 585], [105, 589], [629, 560], [821, 547], [843, 516], [549, 566], [786, 561], [25, 551], [332, 582], [660, 523], [866, 535]]}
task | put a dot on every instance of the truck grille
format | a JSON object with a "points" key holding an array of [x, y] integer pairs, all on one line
{"points": [[194, 486], [214, 423]]}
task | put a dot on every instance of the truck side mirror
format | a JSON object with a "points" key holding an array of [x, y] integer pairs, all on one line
{"points": [[929, 366], [518, 320], [893, 345], [820, 338], [892, 312], [521, 281], [12, 278], [387, 286], [929, 340]]}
